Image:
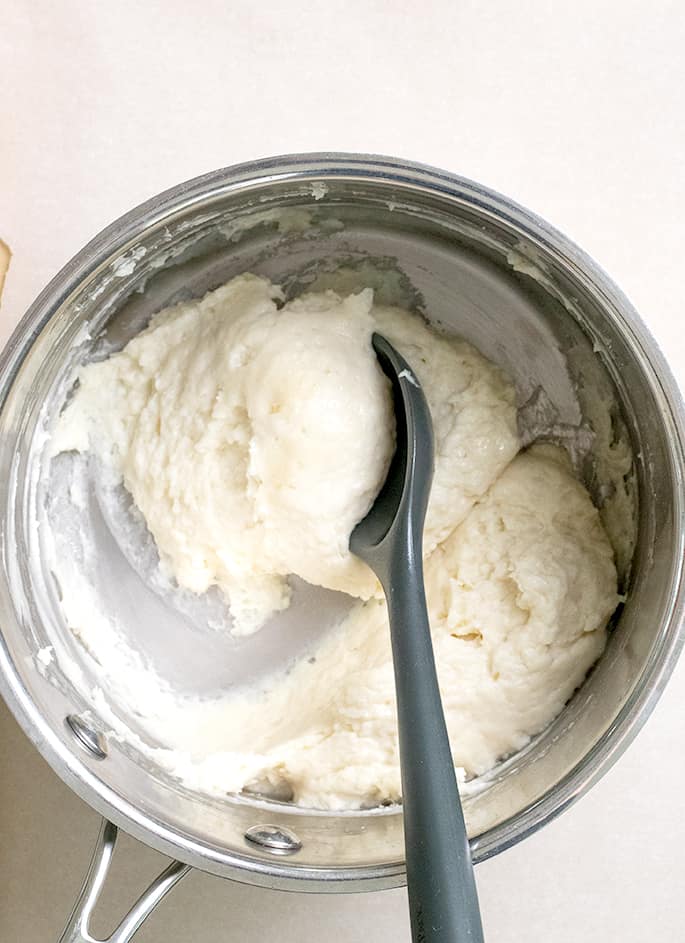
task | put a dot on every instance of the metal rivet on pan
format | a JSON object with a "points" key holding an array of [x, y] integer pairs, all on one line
{"points": [[93, 741], [277, 839]]}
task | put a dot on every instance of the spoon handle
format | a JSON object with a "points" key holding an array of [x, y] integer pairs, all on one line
{"points": [[443, 899]]}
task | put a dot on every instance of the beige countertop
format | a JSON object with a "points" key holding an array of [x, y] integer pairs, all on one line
{"points": [[576, 111]]}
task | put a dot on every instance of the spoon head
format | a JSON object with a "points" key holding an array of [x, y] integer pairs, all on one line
{"points": [[401, 503]]}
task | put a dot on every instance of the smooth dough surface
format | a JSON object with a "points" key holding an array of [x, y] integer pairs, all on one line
{"points": [[252, 438]]}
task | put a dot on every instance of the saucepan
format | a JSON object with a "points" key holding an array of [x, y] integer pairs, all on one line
{"points": [[587, 373]]}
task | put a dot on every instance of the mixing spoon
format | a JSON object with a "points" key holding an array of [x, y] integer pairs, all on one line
{"points": [[443, 901]]}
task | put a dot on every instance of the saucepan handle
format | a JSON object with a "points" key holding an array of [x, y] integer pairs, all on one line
{"points": [[77, 928]]}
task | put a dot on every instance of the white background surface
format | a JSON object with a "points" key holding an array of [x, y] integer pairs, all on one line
{"points": [[575, 110]]}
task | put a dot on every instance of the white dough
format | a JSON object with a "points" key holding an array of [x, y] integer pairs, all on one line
{"points": [[252, 439], [519, 597]]}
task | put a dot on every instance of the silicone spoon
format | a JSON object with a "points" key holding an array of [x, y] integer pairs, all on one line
{"points": [[443, 901]]}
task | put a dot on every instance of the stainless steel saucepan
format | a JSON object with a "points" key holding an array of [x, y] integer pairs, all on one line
{"points": [[587, 373]]}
